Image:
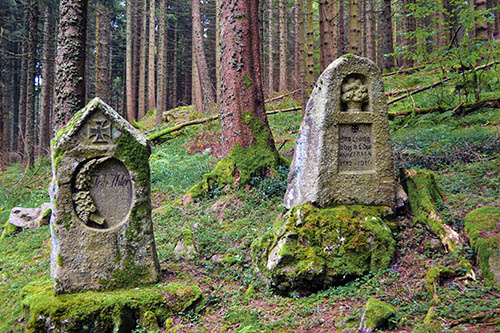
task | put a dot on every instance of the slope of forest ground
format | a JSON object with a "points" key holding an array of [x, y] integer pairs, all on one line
{"points": [[460, 145]]}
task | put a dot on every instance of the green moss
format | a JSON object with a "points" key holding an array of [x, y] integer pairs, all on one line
{"points": [[60, 260], [187, 236], [242, 163], [377, 313], [426, 198], [347, 55], [149, 321], [248, 81], [312, 248], [9, 229], [434, 276], [135, 157], [104, 311], [431, 322], [45, 217], [479, 225]]}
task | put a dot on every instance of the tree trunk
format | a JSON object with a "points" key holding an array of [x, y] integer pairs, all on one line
{"points": [[129, 62], [341, 28], [175, 65], [310, 43], [162, 62], [70, 68], [4, 116], [16, 63], [217, 49], [271, 49], [102, 51], [141, 100], [296, 45], [385, 36], [32, 8], [243, 96], [151, 61], [208, 94], [481, 29], [302, 52], [370, 31], [283, 46], [354, 46], [47, 79], [22, 101], [409, 25]]}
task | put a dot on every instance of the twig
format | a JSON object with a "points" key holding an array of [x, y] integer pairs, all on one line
{"points": [[281, 96], [474, 317]]}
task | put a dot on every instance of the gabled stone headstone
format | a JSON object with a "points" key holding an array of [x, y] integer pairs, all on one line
{"points": [[101, 228], [344, 152]]}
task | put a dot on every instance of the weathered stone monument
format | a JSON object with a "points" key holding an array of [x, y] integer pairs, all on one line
{"points": [[344, 153], [339, 187], [101, 228]]}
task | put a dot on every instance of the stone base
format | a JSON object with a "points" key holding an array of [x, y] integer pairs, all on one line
{"points": [[312, 248], [116, 311]]}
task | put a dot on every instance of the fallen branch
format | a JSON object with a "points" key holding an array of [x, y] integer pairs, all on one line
{"points": [[157, 135], [281, 96], [401, 91], [435, 84], [475, 317], [401, 71], [494, 103]]}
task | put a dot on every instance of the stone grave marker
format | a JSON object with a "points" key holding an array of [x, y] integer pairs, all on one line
{"points": [[101, 228], [344, 153]]}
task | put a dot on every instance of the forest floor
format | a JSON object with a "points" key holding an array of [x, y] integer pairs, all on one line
{"points": [[460, 146]]}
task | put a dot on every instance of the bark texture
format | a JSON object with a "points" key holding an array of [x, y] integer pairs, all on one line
{"points": [[283, 86], [141, 100], [102, 52], [241, 85], [354, 45]]}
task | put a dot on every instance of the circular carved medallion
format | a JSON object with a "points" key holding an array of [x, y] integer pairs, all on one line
{"points": [[102, 192]]}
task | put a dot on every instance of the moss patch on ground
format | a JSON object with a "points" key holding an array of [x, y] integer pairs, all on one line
{"points": [[311, 248], [483, 227], [120, 310]]}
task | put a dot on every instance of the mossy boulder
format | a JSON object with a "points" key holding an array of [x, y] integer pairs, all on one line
{"points": [[377, 314], [426, 198], [311, 248], [483, 228], [112, 311]]}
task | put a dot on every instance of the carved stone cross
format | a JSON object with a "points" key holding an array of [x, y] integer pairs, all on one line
{"points": [[101, 132]]}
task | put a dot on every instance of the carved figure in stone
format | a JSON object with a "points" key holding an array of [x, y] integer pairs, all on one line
{"points": [[85, 207], [354, 94]]}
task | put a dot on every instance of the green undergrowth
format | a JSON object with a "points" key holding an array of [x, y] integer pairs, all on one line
{"points": [[461, 149]]}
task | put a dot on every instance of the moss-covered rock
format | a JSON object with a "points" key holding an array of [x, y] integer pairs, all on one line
{"points": [[115, 311], [434, 276], [311, 248], [377, 314], [186, 247], [425, 200], [242, 164], [483, 228]]}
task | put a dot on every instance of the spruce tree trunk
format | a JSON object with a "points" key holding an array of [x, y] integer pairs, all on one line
{"points": [[162, 62], [296, 45], [409, 25], [387, 44], [70, 68], [129, 63], [207, 90], [328, 32], [102, 51], [32, 8], [15, 63], [4, 144], [242, 93], [47, 79], [217, 49], [152, 61], [341, 28], [141, 111], [310, 43], [354, 46], [271, 49], [283, 46], [21, 138]]}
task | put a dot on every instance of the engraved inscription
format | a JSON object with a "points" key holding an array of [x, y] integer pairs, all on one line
{"points": [[355, 147], [100, 131], [102, 193]]}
